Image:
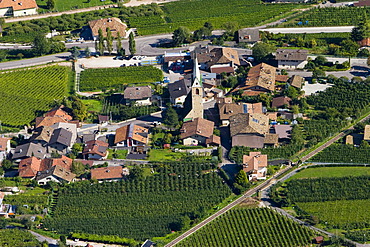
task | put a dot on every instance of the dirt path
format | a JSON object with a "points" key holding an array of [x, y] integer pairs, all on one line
{"points": [[74, 11]]}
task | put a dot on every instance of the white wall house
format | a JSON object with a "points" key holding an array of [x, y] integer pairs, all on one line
{"points": [[17, 8]]}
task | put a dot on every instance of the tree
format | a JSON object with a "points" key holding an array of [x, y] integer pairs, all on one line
{"points": [[170, 117], [167, 139], [349, 48], [41, 45], [320, 60], [75, 52], [79, 109], [368, 61], [101, 42], [87, 52], [208, 28], [231, 27], [242, 179], [77, 148], [131, 42], [180, 36], [261, 51], [109, 41], [119, 44], [7, 164], [318, 73], [3, 223], [361, 31], [50, 4], [136, 173]]}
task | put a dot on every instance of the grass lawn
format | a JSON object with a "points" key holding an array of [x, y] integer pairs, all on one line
{"points": [[164, 155], [93, 105], [64, 5], [332, 172], [121, 154]]}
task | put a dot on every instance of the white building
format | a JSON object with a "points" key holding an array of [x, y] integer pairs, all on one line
{"points": [[14, 8]]}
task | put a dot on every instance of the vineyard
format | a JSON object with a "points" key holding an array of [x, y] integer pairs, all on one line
{"points": [[139, 208], [28, 91], [19, 238], [337, 153], [322, 17], [336, 171], [193, 14], [108, 78], [250, 227]]}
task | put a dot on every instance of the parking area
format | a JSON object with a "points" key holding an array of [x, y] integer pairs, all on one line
{"points": [[111, 62]]}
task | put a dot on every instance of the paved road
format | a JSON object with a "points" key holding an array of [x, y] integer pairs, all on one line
{"points": [[41, 238], [222, 211], [341, 29]]}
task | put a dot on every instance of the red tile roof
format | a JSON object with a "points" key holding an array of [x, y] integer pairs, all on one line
{"points": [[96, 147], [198, 126], [29, 167], [3, 143], [253, 161], [18, 4], [111, 172]]}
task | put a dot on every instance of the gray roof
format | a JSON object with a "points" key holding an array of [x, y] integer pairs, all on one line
{"points": [[248, 35], [180, 88], [88, 137], [61, 136], [28, 150], [283, 131], [137, 93], [57, 171], [291, 55], [147, 243]]}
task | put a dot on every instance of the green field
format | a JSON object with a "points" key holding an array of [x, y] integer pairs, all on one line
{"points": [[18, 238], [64, 5], [158, 155], [193, 14], [250, 227], [139, 208], [341, 214], [108, 78], [93, 105], [25, 92], [323, 172]]}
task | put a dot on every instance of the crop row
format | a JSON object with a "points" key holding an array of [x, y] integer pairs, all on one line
{"points": [[343, 153], [250, 227]]}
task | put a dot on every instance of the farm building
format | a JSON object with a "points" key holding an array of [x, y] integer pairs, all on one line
{"points": [[14, 8], [115, 24]]}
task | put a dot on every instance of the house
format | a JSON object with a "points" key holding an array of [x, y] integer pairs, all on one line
{"points": [[296, 81], [248, 35], [42, 135], [226, 110], [95, 150], [291, 59], [260, 79], [213, 141], [71, 127], [61, 140], [88, 137], [29, 150], [284, 132], [251, 130], [179, 90], [138, 95], [111, 173], [115, 24], [55, 115], [174, 57], [103, 120], [362, 3], [217, 60], [197, 131], [4, 147], [193, 105], [29, 167], [255, 165], [282, 101], [56, 174], [354, 139], [15, 8], [148, 243], [367, 133], [59, 112], [131, 136]]}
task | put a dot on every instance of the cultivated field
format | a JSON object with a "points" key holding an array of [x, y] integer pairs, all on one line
{"points": [[107, 78], [64, 5], [323, 172], [337, 153], [27, 91], [250, 227]]}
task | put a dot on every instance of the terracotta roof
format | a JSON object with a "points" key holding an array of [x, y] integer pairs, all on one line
{"points": [[96, 147], [226, 110], [271, 139], [63, 161], [57, 171], [115, 24], [214, 140], [197, 126], [219, 70], [362, 3], [367, 133], [136, 93], [261, 76], [246, 123], [251, 93], [289, 54], [103, 118], [18, 4], [253, 107], [296, 81], [272, 115], [280, 101], [49, 121], [131, 131], [85, 162], [111, 172], [281, 78], [248, 140], [224, 55], [42, 133], [3, 143], [254, 161], [29, 167], [59, 112]]}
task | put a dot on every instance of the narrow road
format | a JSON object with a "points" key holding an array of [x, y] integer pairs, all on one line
{"points": [[41, 238], [341, 29], [223, 210]]}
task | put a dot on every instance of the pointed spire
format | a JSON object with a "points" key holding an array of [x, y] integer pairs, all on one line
{"points": [[197, 80]]}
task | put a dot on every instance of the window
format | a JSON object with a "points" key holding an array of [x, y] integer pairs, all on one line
{"points": [[197, 91]]}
